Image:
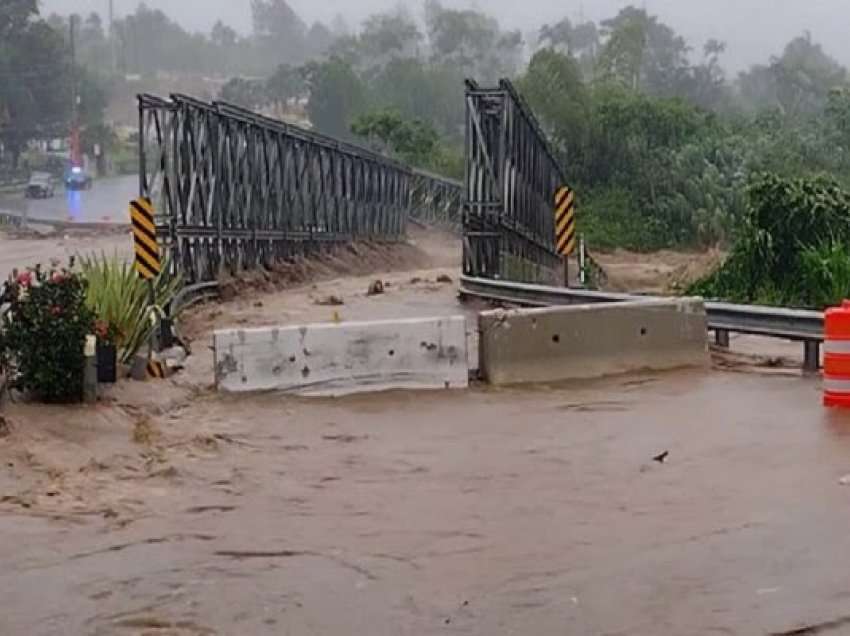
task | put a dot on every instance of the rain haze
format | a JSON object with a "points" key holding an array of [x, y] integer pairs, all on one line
{"points": [[282, 348], [752, 29]]}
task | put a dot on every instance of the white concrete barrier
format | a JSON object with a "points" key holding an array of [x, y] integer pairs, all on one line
{"points": [[345, 358], [591, 341]]}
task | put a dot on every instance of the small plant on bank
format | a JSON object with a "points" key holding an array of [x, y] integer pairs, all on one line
{"points": [[44, 333], [121, 301]]}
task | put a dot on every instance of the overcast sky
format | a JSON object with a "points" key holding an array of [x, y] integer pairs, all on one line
{"points": [[753, 29]]}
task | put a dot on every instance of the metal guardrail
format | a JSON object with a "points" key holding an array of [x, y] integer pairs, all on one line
{"points": [[798, 325], [192, 295]]}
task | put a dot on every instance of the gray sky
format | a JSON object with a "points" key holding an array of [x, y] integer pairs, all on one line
{"points": [[753, 29]]}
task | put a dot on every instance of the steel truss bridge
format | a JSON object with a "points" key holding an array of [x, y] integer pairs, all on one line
{"points": [[235, 190]]}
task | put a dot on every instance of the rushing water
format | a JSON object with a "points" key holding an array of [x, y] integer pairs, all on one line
{"points": [[482, 512]]}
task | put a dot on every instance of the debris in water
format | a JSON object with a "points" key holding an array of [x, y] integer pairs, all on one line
{"points": [[845, 481], [445, 278], [344, 439], [376, 288], [662, 457], [145, 433], [330, 301]]}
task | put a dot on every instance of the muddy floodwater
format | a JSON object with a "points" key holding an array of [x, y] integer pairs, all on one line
{"points": [[482, 512]]}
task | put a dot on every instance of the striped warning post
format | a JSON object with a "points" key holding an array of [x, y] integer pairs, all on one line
{"points": [[148, 263], [565, 221], [836, 359]]}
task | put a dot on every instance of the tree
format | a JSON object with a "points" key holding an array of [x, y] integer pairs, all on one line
{"points": [[337, 96], [642, 53], [418, 90], [709, 79], [246, 93], [34, 78], [286, 83], [223, 36], [320, 39], [413, 141], [379, 128], [553, 86], [389, 35], [15, 17], [798, 82], [279, 31], [472, 41], [149, 41]]}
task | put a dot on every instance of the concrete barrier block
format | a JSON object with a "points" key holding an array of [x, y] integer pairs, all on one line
{"points": [[591, 341], [340, 359]]}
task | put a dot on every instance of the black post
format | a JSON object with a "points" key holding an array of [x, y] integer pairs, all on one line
{"points": [[811, 356]]}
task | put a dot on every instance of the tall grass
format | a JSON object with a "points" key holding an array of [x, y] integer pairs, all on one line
{"points": [[119, 297], [825, 271]]}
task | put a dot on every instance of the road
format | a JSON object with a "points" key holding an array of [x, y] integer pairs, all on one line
{"points": [[106, 202]]}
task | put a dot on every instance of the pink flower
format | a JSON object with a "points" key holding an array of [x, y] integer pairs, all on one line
{"points": [[25, 279], [56, 310], [57, 277]]}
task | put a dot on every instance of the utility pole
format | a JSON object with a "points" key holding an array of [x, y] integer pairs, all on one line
{"points": [[75, 98], [112, 36]]}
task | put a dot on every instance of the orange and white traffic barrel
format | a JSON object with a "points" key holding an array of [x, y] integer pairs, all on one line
{"points": [[836, 366]]}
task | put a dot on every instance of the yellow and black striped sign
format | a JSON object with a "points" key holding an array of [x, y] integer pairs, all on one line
{"points": [[565, 221], [148, 262]]}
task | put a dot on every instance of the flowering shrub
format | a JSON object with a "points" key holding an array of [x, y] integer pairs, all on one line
{"points": [[42, 337], [107, 333]]}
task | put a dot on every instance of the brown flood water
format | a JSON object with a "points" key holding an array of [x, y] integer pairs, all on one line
{"points": [[488, 512]]}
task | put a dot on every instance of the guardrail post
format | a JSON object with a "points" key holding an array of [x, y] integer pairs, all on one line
{"points": [[90, 371], [811, 356], [721, 338]]}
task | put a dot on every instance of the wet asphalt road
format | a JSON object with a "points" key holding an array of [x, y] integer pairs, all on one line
{"points": [[106, 202]]}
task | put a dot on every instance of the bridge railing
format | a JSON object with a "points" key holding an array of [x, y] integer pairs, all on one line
{"points": [[511, 179], [236, 190], [437, 201]]}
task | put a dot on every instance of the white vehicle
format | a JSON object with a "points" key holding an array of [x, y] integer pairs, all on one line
{"points": [[40, 186]]}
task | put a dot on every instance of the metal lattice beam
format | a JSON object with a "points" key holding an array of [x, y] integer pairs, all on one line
{"points": [[235, 190], [511, 179]]}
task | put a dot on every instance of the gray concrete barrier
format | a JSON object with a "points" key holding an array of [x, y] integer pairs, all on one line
{"points": [[345, 358], [591, 341]]}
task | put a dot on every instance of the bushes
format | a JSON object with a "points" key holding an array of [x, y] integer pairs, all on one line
{"points": [[119, 298], [44, 332], [42, 336], [825, 271], [793, 246]]}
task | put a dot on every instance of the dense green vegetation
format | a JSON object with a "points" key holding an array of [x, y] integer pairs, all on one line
{"points": [[664, 148], [659, 143], [791, 246], [37, 81], [668, 163]]}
